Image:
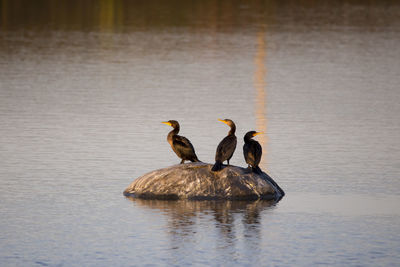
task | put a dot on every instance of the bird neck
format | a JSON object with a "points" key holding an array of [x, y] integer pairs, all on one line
{"points": [[233, 130], [247, 138], [171, 134]]}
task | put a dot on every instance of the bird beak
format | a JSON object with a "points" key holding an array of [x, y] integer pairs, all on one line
{"points": [[257, 133], [167, 123], [222, 120]]}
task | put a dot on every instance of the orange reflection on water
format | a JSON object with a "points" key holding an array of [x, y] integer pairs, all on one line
{"points": [[261, 94]]}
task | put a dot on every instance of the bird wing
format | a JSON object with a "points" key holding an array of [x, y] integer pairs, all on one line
{"points": [[226, 148], [248, 156], [252, 152], [183, 144], [257, 149]]}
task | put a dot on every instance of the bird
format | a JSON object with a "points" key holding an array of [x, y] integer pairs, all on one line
{"points": [[226, 147], [252, 151], [180, 144]]}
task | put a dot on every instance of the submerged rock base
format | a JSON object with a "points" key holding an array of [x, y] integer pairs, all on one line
{"points": [[197, 181]]}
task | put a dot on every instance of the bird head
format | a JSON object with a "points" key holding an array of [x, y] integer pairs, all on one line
{"points": [[251, 134], [171, 123], [227, 122]]}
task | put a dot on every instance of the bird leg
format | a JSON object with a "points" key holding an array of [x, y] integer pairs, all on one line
{"points": [[182, 161]]}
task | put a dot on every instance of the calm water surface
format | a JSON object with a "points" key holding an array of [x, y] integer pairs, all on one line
{"points": [[84, 86]]}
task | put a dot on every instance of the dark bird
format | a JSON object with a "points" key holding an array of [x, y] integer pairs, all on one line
{"points": [[226, 147], [252, 151], [180, 144]]}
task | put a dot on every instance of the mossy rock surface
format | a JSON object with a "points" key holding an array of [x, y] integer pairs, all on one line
{"points": [[197, 181]]}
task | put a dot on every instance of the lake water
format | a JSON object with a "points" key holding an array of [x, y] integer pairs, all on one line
{"points": [[84, 86]]}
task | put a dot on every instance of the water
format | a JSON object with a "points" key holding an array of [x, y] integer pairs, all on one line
{"points": [[84, 87]]}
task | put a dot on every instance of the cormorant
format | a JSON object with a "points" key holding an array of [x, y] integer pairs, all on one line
{"points": [[226, 147], [180, 144], [252, 151]]}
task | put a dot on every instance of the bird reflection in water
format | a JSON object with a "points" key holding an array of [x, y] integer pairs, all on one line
{"points": [[186, 219]]}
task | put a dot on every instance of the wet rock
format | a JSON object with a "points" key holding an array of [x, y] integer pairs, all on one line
{"points": [[197, 181]]}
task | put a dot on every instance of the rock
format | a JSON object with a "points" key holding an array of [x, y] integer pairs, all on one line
{"points": [[197, 181]]}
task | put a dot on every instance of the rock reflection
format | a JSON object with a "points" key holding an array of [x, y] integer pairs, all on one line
{"points": [[187, 219]]}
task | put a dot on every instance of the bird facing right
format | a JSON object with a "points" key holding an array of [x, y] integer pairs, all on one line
{"points": [[252, 151], [226, 147]]}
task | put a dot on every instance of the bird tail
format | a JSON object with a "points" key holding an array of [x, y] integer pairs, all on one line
{"points": [[217, 166], [257, 170], [196, 160]]}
